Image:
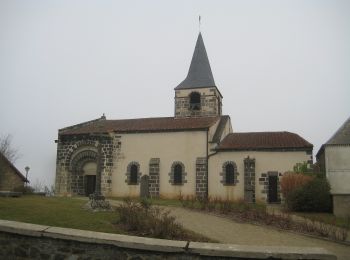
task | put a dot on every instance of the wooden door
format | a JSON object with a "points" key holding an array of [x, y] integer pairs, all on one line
{"points": [[90, 184], [273, 198]]}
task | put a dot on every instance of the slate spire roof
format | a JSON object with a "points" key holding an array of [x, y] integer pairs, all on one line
{"points": [[199, 74], [342, 136]]}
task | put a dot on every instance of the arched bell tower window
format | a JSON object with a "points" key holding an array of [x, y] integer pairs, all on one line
{"points": [[195, 101]]}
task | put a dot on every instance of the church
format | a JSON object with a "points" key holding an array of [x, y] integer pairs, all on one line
{"points": [[194, 153]]}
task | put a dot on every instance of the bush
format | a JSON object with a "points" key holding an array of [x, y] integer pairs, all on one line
{"points": [[147, 220], [292, 181], [312, 196], [24, 189]]}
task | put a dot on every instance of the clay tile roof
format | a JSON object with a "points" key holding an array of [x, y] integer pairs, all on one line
{"points": [[263, 140], [159, 124]]}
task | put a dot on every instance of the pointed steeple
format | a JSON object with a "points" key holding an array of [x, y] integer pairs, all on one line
{"points": [[199, 75]]}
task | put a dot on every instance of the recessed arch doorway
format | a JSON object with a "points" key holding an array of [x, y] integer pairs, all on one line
{"points": [[83, 171], [89, 173]]}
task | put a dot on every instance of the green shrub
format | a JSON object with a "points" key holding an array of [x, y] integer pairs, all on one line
{"points": [[312, 196]]}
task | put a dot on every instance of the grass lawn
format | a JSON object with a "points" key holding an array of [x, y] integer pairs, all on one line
{"points": [[69, 213], [57, 211], [327, 218]]}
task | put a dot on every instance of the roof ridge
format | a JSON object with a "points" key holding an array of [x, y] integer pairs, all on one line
{"points": [[165, 117], [102, 118], [263, 132]]}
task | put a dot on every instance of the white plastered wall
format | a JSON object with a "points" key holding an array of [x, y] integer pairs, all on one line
{"points": [[169, 147], [265, 161], [338, 168]]}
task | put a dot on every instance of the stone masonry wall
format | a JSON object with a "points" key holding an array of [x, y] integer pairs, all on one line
{"points": [[249, 179], [201, 177], [209, 105], [70, 146], [264, 185], [29, 241], [153, 181], [9, 180]]}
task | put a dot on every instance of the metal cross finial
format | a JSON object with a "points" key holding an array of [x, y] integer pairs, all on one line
{"points": [[199, 24]]}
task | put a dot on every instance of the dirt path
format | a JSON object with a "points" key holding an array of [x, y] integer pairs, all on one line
{"points": [[228, 231]]}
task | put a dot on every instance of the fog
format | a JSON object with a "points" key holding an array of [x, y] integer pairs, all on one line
{"points": [[280, 66]]}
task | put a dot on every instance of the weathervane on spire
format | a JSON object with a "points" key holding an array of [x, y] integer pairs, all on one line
{"points": [[199, 24]]}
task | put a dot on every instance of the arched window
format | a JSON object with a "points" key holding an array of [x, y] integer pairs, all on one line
{"points": [[195, 101], [133, 174], [230, 174], [178, 174]]}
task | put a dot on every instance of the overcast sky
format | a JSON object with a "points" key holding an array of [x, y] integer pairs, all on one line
{"points": [[280, 65]]}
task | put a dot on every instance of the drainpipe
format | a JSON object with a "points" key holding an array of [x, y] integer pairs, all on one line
{"points": [[207, 157]]}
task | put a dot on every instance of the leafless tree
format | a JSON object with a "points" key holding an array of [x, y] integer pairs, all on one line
{"points": [[7, 149], [38, 186]]}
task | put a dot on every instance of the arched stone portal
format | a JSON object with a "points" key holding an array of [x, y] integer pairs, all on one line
{"points": [[83, 169]]}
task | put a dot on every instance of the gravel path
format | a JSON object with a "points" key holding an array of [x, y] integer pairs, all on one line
{"points": [[228, 231]]}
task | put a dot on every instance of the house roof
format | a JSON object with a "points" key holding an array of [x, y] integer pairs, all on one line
{"points": [[199, 74], [158, 124], [220, 129], [4, 159], [342, 135], [263, 141]]}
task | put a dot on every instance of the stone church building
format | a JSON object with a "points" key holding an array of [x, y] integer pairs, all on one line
{"points": [[194, 153]]}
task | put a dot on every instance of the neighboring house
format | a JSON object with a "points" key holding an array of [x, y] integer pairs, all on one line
{"points": [[10, 177], [194, 153], [333, 158]]}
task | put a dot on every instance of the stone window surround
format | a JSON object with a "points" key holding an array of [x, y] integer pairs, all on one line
{"points": [[171, 174], [128, 173], [223, 174]]}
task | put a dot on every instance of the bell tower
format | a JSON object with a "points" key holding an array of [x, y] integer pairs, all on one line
{"points": [[197, 95]]}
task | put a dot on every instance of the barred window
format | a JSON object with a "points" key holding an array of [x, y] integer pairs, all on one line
{"points": [[133, 174], [230, 174], [178, 174]]}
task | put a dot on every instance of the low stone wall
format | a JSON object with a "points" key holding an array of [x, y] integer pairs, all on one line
{"points": [[28, 241]]}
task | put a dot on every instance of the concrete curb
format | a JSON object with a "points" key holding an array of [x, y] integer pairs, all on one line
{"points": [[193, 249]]}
